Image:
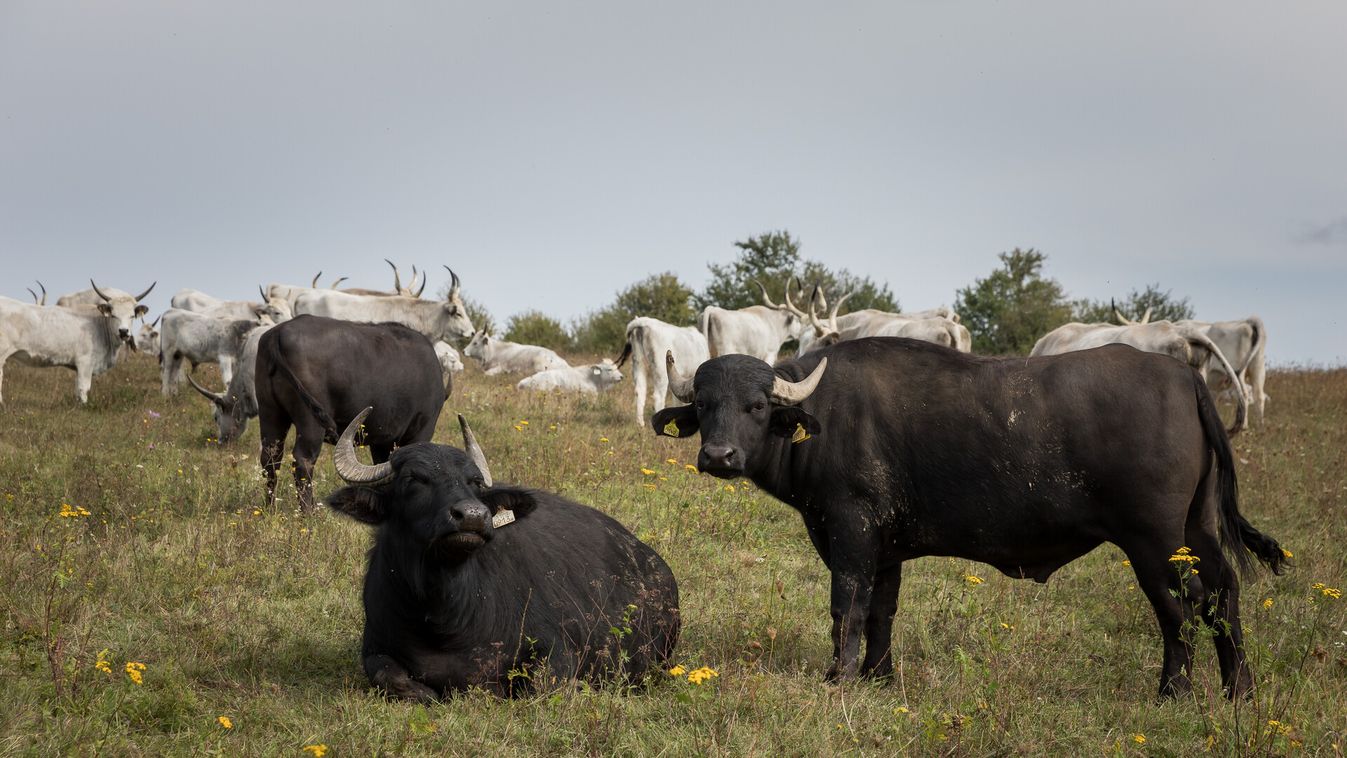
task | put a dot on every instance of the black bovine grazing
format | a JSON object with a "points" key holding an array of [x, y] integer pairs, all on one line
{"points": [[317, 373], [1024, 464], [473, 584]]}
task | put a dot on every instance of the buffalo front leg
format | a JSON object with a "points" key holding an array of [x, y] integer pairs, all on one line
{"points": [[307, 448], [389, 675], [878, 663], [852, 560], [273, 433]]}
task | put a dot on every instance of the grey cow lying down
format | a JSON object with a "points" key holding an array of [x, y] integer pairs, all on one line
{"points": [[476, 584]]}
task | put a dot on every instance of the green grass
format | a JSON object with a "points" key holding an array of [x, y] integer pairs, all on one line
{"points": [[254, 613]]}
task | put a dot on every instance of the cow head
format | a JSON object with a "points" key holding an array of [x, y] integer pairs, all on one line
{"points": [[477, 346], [275, 309], [231, 418], [455, 323], [147, 340], [605, 373], [436, 498], [122, 309], [738, 403]]}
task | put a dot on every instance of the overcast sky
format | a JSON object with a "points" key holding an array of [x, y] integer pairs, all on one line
{"points": [[552, 153]]}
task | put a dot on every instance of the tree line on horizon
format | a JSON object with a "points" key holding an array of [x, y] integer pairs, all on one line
{"points": [[1006, 312]]}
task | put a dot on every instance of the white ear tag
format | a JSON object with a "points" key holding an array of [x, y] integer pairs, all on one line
{"points": [[503, 517]]}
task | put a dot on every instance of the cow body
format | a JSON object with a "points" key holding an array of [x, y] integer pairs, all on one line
{"points": [[197, 338], [590, 379], [78, 337], [436, 320], [273, 311], [498, 356], [648, 341], [316, 374], [1023, 464], [758, 330], [456, 597], [938, 326], [1244, 344]]}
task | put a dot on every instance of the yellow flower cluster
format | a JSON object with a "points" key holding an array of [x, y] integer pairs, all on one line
{"points": [[68, 511], [1287, 554], [690, 467], [225, 722], [1183, 555], [1267, 603], [318, 751], [1140, 739], [973, 580], [1327, 591], [697, 676], [677, 670], [671, 461], [135, 671], [647, 472], [102, 663]]}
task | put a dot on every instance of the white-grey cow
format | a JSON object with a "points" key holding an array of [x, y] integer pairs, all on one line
{"points": [[499, 356], [238, 402], [447, 320], [197, 338], [648, 340], [590, 380]]}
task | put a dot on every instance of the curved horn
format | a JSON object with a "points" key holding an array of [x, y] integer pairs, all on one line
{"points": [[424, 279], [142, 295], [832, 316], [454, 286], [263, 293], [313, 285], [813, 313], [155, 322], [348, 466], [679, 385], [339, 280], [793, 308], [1146, 317], [397, 279], [34, 294], [766, 300], [99, 291], [43, 287], [474, 450], [1117, 314], [786, 392], [218, 399]]}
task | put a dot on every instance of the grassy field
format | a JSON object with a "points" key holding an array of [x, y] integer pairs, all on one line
{"points": [[153, 605]]}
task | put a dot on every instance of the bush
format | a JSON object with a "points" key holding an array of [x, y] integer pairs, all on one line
{"points": [[537, 328], [1009, 310]]}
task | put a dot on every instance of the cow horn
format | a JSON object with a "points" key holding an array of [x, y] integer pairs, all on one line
{"points": [[43, 287], [142, 295], [1146, 317], [424, 279], [793, 308], [99, 291], [339, 280], [786, 392], [813, 313], [832, 316], [349, 467], [155, 322], [474, 450], [766, 300], [1117, 314], [454, 285], [313, 285], [679, 385], [218, 399], [397, 279], [263, 293]]}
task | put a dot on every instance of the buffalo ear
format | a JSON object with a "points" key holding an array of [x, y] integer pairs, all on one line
{"points": [[521, 501], [680, 421], [787, 419], [364, 504]]}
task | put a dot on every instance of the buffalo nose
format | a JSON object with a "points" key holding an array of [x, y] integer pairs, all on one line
{"points": [[715, 457], [471, 517]]}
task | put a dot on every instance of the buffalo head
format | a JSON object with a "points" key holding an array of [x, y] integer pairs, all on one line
{"points": [[738, 403]]}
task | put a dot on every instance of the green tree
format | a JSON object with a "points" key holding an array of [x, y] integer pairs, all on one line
{"points": [[1163, 305], [772, 259], [660, 296], [1009, 310], [536, 328]]}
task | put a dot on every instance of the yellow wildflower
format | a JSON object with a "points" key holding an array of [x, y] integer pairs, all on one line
{"points": [[225, 722], [1140, 739], [729, 488], [677, 671], [671, 461], [1007, 627], [1267, 603], [901, 709], [690, 467], [648, 486], [135, 670], [972, 579], [647, 472], [69, 511], [603, 439], [518, 428], [1183, 555], [1287, 554], [1327, 591], [523, 422], [697, 676], [102, 663], [318, 751]]}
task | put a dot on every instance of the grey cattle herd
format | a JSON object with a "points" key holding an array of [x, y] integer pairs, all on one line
{"points": [[887, 435]]}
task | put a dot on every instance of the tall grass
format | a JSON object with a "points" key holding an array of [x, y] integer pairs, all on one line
{"points": [[253, 613]]}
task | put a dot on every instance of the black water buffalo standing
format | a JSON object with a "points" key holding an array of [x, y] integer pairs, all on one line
{"points": [[1024, 464], [474, 584], [317, 373]]}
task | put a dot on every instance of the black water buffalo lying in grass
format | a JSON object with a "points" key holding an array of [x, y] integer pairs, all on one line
{"points": [[1025, 464], [472, 584], [317, 373]]}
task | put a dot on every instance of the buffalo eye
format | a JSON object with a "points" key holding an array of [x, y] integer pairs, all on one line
{"points": [[759, 406]]}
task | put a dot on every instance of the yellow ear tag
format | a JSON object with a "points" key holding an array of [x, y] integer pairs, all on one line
{"points": [[671, 428], [503, 517], [800, 434]]}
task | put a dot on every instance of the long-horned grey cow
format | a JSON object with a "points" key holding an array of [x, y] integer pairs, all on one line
{"points": [[758, 330], [197, 338], [1244, 343], [937, 325], [1185, 343], [437, 320], [271, 310], [894, 449], [648, 341], [238, 403], [498, 356], [83, 337]]}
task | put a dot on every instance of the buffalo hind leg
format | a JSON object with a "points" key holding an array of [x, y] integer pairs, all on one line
{"points": [[878, 663], [308, 446], [273, 431], [1218, 603], [389, 676], [1159, 579]]}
